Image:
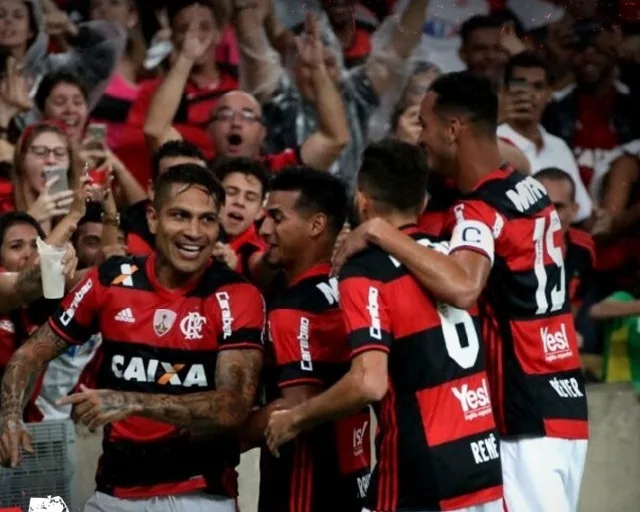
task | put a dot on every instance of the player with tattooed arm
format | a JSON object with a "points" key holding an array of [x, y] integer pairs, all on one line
{"points": [[181, 360]]}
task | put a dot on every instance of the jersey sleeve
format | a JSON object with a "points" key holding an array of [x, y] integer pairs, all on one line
{"points": [[240, 315], [365, 310], [475, 227], [296, 351], [76, 318]]}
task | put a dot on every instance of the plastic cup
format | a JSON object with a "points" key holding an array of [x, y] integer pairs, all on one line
{"points": [[53, 280]]}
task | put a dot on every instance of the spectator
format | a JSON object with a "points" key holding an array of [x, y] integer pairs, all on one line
{"points": [[40, 146], [290, 105], [237, 126], [63, 97], [113, 108], [95, 47], [526, 93], [87, 237]]}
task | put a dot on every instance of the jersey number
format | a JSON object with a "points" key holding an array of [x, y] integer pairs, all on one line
{"points": [[453, 319], [543, 242]]}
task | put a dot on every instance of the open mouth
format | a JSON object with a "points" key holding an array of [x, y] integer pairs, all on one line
{"points": [[189, 251], [71, 123], [235, 216], [235, 141]]}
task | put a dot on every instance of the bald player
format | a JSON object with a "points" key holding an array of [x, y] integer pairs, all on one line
{"points": [[237, 128]]}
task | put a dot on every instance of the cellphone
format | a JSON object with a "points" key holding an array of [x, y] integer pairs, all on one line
{"points": [[62, 184], [97, 176], [97, 132], [518, 84]]}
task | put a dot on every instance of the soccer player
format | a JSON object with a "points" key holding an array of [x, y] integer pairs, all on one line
{"points": [[506, 240], [182, 355], [309, 350], [419, 362]]}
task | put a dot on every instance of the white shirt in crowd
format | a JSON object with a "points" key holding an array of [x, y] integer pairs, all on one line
{"points": [[554, 153]]}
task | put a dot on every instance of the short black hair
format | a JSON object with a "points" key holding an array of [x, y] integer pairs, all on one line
{"points": [[320, 192], [527, 60], [463, 92], [556, 174], [172, 149], [93, 215], [478, 22], [395, 174], [189, 175], [224, 166], [51, 80], [10, 219]]}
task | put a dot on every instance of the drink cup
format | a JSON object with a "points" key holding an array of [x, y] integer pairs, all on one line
{"points": [[53, 280]]}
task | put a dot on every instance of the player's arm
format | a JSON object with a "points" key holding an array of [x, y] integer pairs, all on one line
{"points": [[367, 379], [456, 278], [237, 378], [612, 307], [297, 377]]}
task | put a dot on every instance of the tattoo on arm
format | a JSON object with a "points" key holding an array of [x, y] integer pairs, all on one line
{"points": [[24, 368], [226, 408], [29, 285]]}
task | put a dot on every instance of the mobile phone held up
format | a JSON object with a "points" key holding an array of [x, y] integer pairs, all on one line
{"points": [[97, 132], [61, 184]]}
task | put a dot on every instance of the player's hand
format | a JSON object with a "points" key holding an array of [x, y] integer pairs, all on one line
{"points": [[226, 254], [97, 407], [13, 436], [356, 241], [281, 429]]}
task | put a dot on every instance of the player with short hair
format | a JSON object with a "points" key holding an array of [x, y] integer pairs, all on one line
{"points": [[181, 360], [506, 245], [417, 361], [308, 351]]}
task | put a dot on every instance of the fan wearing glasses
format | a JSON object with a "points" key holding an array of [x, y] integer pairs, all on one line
{"points": [[236, 127]]}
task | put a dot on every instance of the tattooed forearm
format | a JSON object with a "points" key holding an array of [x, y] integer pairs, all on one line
{"points": [[29, 285], [226, 408], [24, 368]]}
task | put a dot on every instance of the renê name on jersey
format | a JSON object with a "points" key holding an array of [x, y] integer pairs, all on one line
{"points": [[158, 372], [555, 343], [475, 403]]}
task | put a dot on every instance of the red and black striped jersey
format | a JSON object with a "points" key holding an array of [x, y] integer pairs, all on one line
{"points": [[529, 332], [246, 245], [579, 261], [330, 465], [162, 341], [437, 446]]}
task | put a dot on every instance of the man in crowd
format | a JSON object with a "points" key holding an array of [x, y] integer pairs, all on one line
{"points": [[527, 93], [309, 349], [188, 362], [415, 360], [237, 127], [506, 241]]}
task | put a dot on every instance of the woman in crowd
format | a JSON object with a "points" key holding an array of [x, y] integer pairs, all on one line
{"points": [[41, 147], [94, 48]]}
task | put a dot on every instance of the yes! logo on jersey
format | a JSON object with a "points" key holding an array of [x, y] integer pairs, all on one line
{"points": [[163, 373], [555, 343], [475, 403]]}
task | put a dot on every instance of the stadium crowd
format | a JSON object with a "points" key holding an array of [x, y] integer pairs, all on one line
{"points": [[277, 213]]}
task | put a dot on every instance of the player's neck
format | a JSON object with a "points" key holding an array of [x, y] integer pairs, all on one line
{"points": [[479, 158], [399, 219], [306, 261], [170, 278]]}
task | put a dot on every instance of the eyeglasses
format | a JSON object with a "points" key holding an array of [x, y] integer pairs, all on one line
{"points": [[44, 151], [228, 114]]}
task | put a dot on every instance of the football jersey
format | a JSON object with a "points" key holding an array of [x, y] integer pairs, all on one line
{"points": [[529, 332], [156, 340], [308, 345], [437, 447]]}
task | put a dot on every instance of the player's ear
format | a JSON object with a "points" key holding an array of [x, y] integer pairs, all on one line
{"points": [[152, 219], [318, 224]]}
